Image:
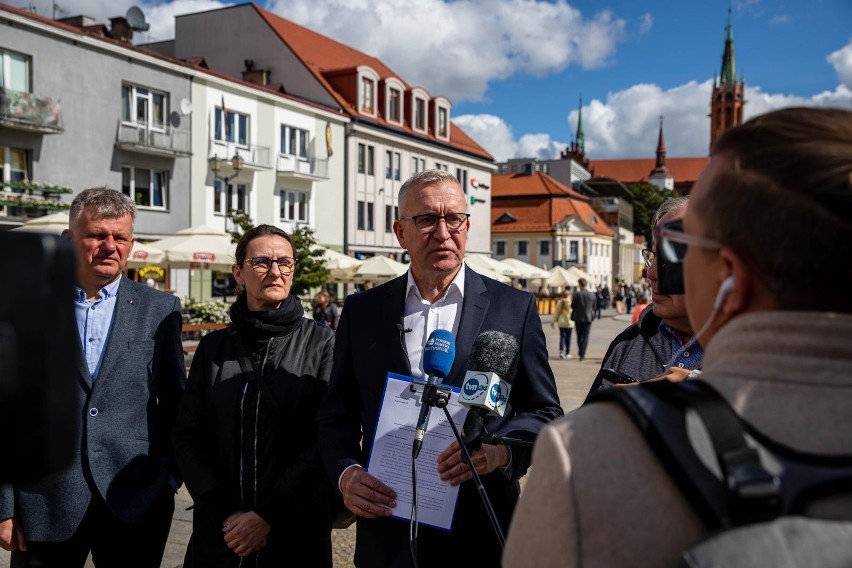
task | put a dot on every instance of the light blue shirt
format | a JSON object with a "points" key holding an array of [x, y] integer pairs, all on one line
{"points": [[94, 320], [690, 359]]}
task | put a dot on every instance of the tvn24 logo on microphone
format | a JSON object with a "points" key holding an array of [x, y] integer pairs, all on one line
{"points": [[485, 390]]}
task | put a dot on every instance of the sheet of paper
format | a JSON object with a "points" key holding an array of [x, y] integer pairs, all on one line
{"points": [[390, 457]]}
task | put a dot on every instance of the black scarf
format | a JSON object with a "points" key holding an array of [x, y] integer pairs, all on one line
{"points": [[263, 325]]}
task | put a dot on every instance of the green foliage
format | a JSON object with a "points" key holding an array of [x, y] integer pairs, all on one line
{"points": [[209, 311], [310, 267], [646, 199]]}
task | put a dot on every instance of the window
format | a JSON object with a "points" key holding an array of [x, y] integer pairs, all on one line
{"points": [[146, 187], [461, 175], [15, 160], [443, 132], [236, 127], [370, 225], [419, 114], [397, 166], [442, 166], [388, 160], [394, 113], [143, 107], [414, 163], [233, 197], [388, 218], [368, 89], [362, 206], [294, 206], [362, 150], [500, 248], [522, 248], [294, 142], [371, 160], [14, 71], [422, 164], [544, 248], [573, 255]]}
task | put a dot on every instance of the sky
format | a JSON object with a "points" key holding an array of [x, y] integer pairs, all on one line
{"points": [[515, 70]]}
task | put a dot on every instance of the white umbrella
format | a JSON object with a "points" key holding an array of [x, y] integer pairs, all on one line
{"points": [[492, 274], [54, 224], [144, 255], [198, 247], [581, 274], [481, 263], [561, 277], [378, 269], [527, 270], [337, 260]]}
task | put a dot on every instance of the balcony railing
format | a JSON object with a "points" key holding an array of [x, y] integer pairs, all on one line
{"points": [[312, 168], [255, 156], [28, 111], [144, 138]]}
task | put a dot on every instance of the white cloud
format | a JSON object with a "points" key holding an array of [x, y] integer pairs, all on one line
{"points": [[842, 62], [479, 41], [491, 132]]}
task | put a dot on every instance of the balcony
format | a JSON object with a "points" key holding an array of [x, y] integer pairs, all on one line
{"points": [[255, 157], [302, 168], [143, 138], [31, 112]]}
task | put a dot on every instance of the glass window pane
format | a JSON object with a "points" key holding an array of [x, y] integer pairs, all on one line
{"points": [[141, 109], [284, 140], [159, 112], [126, 185], [142, 187], [125, 103], [243, 133], [282, 206], [371, 160], [19, 75], [157, 189], [241, 197], [303, 207], [361, 158], [303, 143], [294, 141]]}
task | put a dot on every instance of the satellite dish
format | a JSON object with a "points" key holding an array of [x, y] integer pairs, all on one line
{"points": [[174, 119], [185, 106], [136, 19]]}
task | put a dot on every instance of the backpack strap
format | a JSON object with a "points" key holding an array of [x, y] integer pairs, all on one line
{"points": [[745, 493]]}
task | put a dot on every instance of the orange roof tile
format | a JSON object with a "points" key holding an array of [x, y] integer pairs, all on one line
{"points": [[324, 56], [538, 202], [637, 170]]}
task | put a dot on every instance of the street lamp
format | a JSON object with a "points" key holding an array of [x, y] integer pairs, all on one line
{"points": [[237, 163]]}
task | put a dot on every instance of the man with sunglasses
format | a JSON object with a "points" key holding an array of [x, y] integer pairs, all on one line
{"points": [[385, 330], [768, 293], [644, 349]]}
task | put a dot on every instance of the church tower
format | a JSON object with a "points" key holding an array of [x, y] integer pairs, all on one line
{"points": [[577, 150], [728, 99], [660, 175]]}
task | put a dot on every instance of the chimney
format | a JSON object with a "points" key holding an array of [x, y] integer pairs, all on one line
{"points": [[255, 76], [120, 29]]}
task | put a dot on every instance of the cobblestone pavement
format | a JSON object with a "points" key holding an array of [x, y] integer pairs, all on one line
{"points": [[573, 379]]}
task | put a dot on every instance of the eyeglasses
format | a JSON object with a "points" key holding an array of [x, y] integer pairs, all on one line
{"points": [[648, 256], [672, 242], [263, 264], [428, 223]]}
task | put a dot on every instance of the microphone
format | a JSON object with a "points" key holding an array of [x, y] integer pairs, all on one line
{"points": [[485, 391], [438, 355]]}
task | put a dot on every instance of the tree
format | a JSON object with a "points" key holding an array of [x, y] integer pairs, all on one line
{"points": [[310, 267], [646, 199]]}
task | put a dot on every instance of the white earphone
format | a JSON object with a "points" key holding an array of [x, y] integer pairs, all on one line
{"points": [[726, 288]]}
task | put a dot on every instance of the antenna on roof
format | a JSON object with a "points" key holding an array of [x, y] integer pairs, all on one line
{"points": [[136, 19]]}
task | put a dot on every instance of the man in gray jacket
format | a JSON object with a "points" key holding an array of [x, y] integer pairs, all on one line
{"points": [[583, 304], [116, 499]]}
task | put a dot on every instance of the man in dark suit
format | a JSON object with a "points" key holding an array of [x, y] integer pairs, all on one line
{"points": [[584, 309], [385, 329], [116, 500]]}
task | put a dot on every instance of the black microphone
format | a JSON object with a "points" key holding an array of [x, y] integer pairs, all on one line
{"points": [[485, 391], [438, 355]]}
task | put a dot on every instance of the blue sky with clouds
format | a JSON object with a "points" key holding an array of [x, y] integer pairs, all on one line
{"points": [[514, 69]]}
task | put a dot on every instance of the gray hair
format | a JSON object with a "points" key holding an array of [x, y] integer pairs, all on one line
{"points": [[423, 179], [670, 205], [104, 202]]}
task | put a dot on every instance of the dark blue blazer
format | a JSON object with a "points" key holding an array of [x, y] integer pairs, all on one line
{"points": [[124, 450], [368, 346]]}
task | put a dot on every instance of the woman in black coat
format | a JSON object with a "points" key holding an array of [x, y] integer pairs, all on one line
{"points": [[245, 437]]}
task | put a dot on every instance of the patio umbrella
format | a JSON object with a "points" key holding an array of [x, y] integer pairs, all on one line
{"points": [[483, 262], [53, 224], [378, 269], [198, 247], [337, 260], [581, 274], [561, 277], [528, 271], [144, 255]]}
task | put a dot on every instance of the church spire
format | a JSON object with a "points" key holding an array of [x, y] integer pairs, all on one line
{"points": [[580, 137], [728, 97], [661, 150], [660, 175], [729, 66]]}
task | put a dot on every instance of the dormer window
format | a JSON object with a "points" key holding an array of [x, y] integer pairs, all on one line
{"points": [[443, 130], [418, 109], [441, 124], [368, 95], [394, 114], [420, 114]]}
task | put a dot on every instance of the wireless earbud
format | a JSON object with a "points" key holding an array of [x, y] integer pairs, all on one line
{"points": [[726, 288]]}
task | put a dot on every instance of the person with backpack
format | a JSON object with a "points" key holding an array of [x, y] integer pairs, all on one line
{"points": [[628, 481]]}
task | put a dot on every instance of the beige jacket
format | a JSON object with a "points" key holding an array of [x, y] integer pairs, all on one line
{"points": [[598, 497]]}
